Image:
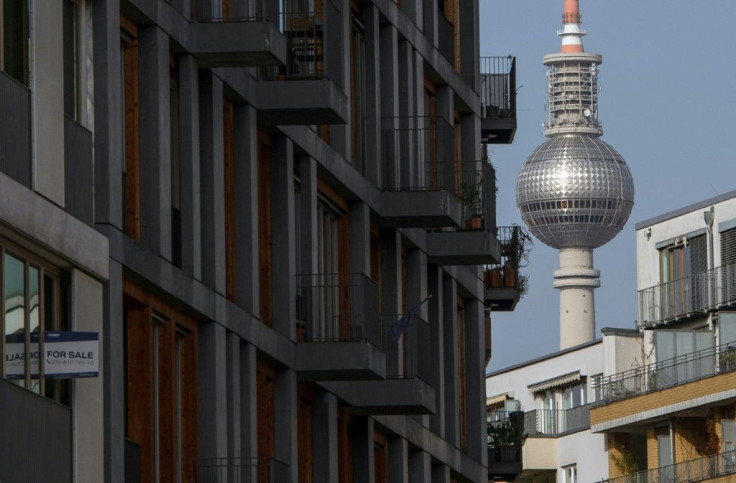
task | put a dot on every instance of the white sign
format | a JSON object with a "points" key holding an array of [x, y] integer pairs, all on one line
{"points": [[66, 355]]}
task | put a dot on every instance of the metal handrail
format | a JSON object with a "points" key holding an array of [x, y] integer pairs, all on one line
{"points": [[695, 294], [699, 469], [667, 373], [515, 247], [221, 470]]}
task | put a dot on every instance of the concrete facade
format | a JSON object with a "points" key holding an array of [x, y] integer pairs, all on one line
{"points": [[243, 203]]}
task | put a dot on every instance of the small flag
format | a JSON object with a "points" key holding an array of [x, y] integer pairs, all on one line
{"points": [[400, 326]]}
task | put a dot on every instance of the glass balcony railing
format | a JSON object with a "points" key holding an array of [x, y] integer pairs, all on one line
{"points": [[246, 470], [700, 469], [556, 422], [667, 373], [687, 296]]}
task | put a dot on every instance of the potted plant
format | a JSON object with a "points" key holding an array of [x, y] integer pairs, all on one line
{"points": [[470, 195]]}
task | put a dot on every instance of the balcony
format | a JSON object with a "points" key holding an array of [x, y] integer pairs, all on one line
{"points": [[247, 470], [667, 373], [406, 389], [418, 173], [687, 297], [700, 469], [298, 92], [338, 328], [505, 439], [237, 41], [663, 388], [475, 241], [553, 423], [503, 283], [498, 99]]}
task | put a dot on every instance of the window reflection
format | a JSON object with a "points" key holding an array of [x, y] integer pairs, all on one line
{"points": [[14, 319]]}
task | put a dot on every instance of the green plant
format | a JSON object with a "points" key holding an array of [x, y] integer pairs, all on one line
{"points": [[625, 462], [470, 196], [509, 432]]}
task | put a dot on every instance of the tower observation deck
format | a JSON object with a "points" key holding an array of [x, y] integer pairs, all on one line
{"points": [[575, 192]]}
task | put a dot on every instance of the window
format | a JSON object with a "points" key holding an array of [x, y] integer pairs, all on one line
{"points": [[14, 39], [357, 91], [570, 474], [34, 299], [265, 241], [573, 396], [681, 291], [176, 171], [71, 59], [228, 125]]}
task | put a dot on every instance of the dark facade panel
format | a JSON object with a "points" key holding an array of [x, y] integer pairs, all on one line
{"points": [[79, 173], [15, 130], [36, 437]]}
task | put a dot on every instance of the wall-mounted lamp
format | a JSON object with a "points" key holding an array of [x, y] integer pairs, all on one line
{"points": [[648, 233]]}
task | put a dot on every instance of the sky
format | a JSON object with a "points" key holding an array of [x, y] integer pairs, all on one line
{"points": [[667, 104]]}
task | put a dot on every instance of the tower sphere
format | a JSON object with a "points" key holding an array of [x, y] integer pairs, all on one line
{"points": [[575, 191]]}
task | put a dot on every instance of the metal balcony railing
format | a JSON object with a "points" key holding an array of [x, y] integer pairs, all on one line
{"points": [[700, 469], [256, 13], [337, 308], [506, 428], [556, 422], [515, 247], [498, 87], [418, 153], [306, 49], [243, 470], [687, 296], [407, 356], [667, 373], [476, 191]]}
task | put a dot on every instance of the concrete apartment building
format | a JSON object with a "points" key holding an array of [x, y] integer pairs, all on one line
{"points": [[670, 415], [274, 215]]}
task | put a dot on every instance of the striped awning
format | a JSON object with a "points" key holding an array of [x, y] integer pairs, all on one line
{"points": [[496, 400], [565, 380]]}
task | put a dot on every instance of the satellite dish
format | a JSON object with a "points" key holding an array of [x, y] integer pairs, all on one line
{"points": [[587, 112]]}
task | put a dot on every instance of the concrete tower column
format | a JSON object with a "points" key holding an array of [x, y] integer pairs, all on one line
{"points": [[576, 280]]}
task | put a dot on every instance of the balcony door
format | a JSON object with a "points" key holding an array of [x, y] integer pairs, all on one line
{"points": [[728, 430], [664, 454]]}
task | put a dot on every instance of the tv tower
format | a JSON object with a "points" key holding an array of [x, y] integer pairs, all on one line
{"points": [[574, 192]]}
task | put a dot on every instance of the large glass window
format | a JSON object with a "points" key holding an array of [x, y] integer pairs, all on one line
{"points": [[34, 299], [571, 474], [14, 39]]}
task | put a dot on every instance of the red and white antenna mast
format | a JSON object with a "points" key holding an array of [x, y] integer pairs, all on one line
{"points": [[572, 34]]}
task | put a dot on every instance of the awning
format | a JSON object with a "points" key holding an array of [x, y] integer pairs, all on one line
{"points": [[496, 400], [566, 380]]}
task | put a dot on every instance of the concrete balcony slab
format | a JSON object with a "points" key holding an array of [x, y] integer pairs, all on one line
{"points": [[387, 397], [420, 209], [467, 247], [247, 43], [291, 102], [339, 361]]}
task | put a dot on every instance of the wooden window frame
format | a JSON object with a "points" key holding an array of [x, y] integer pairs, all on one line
{"points": [[131, 127], [228, 130], [265, 235]]}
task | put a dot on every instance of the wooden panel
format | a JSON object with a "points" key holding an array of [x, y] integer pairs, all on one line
{"points": [[343, 262], [265, 377], [344, 447], [139, 379], [380, 457], [140, 415], [305, 434], [376, 256], [265, 237], [132, 128], [227, 130]]}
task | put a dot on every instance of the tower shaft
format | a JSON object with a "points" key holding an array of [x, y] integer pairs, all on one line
{"points": [[576, 280]]}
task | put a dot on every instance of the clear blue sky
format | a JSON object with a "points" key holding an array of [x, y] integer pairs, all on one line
{"points": [[668, 105]]}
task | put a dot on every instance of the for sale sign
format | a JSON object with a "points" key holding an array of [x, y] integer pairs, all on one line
{"points": [[65, 355]]}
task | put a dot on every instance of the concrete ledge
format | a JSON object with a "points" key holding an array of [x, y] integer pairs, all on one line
{"points": [[339, 361], [419, 209], [463, 247], [392, 396], [300, 102], [237, 44], [26, 213]]}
